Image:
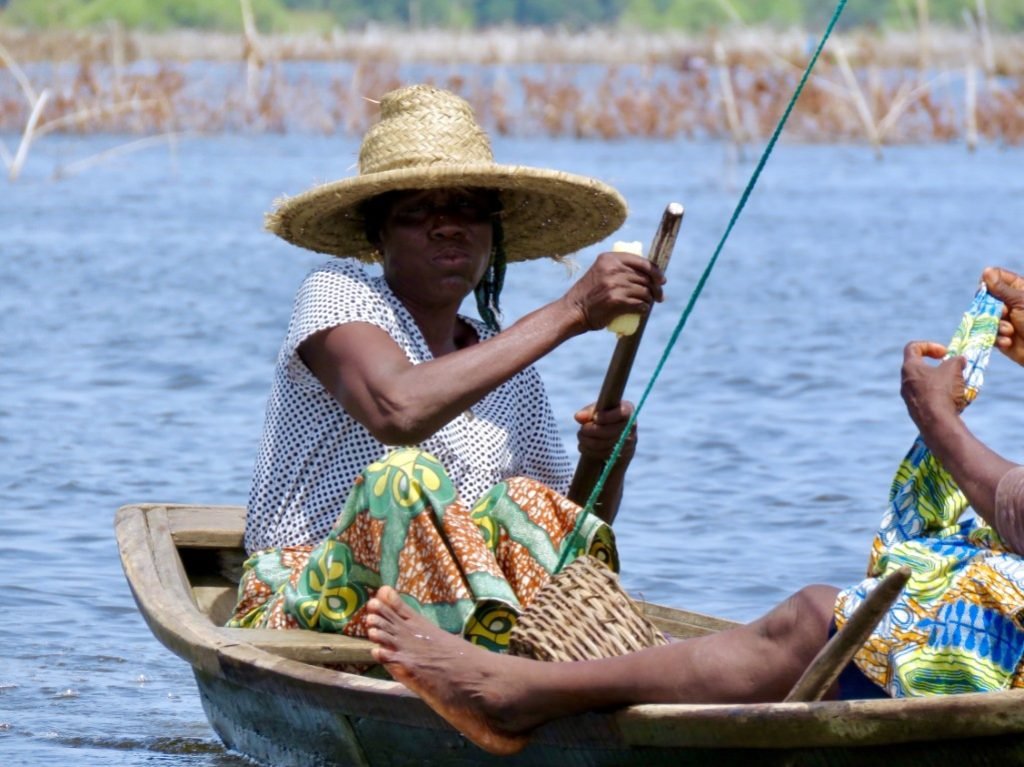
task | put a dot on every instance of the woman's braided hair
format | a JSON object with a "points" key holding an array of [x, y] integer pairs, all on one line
{"points": [[488, 290]]}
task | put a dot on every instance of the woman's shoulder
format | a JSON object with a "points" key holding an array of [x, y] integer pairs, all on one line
{"points": [[341, 280], [339, 271], [335, 293]]}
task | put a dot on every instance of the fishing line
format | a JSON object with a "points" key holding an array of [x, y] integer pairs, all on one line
{"points": [[616, 452]]}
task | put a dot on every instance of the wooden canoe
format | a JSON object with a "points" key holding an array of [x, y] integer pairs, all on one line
{"points": [[268, 694]]}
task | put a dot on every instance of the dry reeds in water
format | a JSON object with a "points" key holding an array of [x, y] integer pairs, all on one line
{"points": [[732, 87]]}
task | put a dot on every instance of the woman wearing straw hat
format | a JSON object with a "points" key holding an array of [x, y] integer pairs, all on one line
{"points": [[371, 364]]}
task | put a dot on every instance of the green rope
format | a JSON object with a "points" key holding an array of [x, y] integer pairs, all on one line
{"points": [[616, 452]]}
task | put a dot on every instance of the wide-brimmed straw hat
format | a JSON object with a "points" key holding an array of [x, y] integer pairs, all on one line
{"points": [[428, 138]]}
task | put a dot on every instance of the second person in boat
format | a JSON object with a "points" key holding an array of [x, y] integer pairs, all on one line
{"points": [[954, 628]]}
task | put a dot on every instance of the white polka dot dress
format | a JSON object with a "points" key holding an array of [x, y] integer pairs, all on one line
{"points": [[312, 449]]}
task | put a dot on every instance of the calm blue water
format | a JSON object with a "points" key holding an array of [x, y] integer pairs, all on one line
{"points": [[142, 306]]}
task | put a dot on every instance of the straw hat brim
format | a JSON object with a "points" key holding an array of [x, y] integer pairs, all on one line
{"points": [[544, 212]]}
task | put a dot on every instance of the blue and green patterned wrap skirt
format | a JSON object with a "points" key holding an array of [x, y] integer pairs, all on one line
{"points": [[957, 626]]}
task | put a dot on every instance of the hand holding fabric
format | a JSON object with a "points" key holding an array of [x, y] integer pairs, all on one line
{"points": [[932, 393], [1009, 287]]}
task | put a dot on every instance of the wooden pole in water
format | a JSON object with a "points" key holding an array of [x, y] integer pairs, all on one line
{"points": [[589, 469], [251, 52], [33, 99], [860, 102], [26, 138], [971, 105], [924, 38], [988, 53], [732, 111], [117, 56]]}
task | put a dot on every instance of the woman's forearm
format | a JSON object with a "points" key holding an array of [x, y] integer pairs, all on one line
{"points": [[975, 467], [401, 403]]}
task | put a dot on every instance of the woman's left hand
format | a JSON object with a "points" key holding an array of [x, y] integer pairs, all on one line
{"points": [[600, 431], [931, 392]]}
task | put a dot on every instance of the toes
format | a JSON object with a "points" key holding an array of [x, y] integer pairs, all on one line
{"points": [[384, 639], [381, 612], [390, 598], [388, 603], [377, 622]]}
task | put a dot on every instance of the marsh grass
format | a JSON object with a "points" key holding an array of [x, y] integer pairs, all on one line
{"points": [[870, 87]]}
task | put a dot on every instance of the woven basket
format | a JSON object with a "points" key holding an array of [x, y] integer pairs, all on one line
{"points": [[582, 613]]}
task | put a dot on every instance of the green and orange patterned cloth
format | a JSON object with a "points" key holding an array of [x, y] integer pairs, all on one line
{"points": [[957, 626], [471, 571]]}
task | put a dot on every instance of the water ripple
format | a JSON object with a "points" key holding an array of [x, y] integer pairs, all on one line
{"points": [[136, 367]]}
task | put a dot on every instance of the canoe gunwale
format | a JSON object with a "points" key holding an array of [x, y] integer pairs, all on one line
{"points": [[176, 621], [148, 539]]}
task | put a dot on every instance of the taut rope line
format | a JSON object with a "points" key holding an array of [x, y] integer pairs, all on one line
{"points": [[589, 507]]}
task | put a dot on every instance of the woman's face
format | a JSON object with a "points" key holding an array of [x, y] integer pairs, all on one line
{"points": [[437, 244]]}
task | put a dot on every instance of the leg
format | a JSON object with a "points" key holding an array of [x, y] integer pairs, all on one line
{"points": [[403, 526], [535, 531], [495, 699]]}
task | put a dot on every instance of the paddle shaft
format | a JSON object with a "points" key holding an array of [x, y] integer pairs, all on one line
{"points": [[589, 469]]}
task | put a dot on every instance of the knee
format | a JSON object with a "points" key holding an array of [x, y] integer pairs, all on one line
{"points": [[801, 623], [815, 604]]}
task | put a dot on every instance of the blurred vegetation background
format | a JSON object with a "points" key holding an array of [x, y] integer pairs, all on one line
{"points": [[295, 16]]}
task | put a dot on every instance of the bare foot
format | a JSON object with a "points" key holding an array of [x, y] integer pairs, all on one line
{"points": [[476, 691]]}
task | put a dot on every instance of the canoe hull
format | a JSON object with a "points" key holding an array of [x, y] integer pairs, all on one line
{"points": [[275, 697], [287, 733]]}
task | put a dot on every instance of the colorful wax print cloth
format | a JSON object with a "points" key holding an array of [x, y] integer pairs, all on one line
{"points": [[957, 625], [469, 570]]}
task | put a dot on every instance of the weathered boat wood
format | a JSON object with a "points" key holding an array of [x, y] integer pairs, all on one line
{"points": [[269, 695]]}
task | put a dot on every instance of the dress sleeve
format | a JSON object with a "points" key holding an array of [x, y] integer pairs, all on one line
{"points": [[333, 294]]}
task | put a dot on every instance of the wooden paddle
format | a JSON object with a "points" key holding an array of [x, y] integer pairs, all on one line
{"points": [[589, 469]]}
